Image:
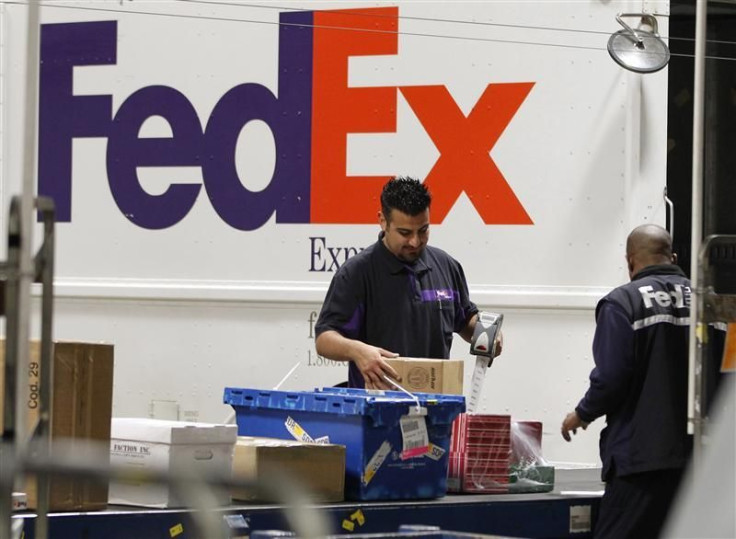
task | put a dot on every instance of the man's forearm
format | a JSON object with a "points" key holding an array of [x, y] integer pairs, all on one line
{"points": [[332, 345], [467, 331]]}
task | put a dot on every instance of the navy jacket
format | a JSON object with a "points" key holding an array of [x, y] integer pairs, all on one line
{"points": [[640, 377]]}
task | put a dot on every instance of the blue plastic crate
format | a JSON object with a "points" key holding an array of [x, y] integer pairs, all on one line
{"points": [[368, 425]]}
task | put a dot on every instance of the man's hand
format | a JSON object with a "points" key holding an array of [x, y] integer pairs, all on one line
{"points": [[498, 344], [369, 361], [572, 422], [468, 331]]}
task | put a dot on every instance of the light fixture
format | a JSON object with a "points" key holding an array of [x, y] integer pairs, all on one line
{"points": [[641, 49]]}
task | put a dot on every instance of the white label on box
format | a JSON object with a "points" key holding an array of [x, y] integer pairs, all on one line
{"points": [[376, 461], [435, 452], [297, 431], [580, 520], [414, 436], [20, 501], [130, 450]]}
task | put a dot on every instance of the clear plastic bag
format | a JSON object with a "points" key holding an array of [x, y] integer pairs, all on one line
{"points": [[528, 471]]}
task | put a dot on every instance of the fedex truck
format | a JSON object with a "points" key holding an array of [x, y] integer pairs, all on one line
{"points": [[212, 165]]}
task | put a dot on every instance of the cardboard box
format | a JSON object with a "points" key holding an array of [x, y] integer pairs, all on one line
{"points": [[34, 350], [161, 445], [318, 468], [82, 409], [429, 375]]}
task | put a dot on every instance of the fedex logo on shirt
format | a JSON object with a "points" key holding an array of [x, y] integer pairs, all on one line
{"points": [[310, 116], [444, 294]]}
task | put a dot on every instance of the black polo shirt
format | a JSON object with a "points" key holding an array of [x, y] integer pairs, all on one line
{"points": [[410, 309]]}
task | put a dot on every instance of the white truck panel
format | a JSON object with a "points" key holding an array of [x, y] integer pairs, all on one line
{"points": [[200, 304]]}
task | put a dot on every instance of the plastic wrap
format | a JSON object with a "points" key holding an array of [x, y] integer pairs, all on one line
{"points": [[529, 472], [490, 454]]}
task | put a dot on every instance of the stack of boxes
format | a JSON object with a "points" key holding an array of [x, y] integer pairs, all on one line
{"points": [[480, 454]]}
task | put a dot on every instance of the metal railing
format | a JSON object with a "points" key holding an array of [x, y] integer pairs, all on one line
{"points": [[14, 436]]}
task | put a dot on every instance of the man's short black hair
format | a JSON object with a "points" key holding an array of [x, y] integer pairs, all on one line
{"points": [[406, 194]]}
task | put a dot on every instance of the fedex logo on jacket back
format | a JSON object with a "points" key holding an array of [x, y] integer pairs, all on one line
{"points": [[678, 296], [310, 116]]}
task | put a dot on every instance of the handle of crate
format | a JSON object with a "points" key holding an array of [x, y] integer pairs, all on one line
{"points": [[418, 410]]}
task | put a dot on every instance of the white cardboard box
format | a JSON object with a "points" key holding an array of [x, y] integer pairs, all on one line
{"points": [[160, 445]]}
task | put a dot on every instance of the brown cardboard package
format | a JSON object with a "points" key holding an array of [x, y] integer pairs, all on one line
{"points": [[82, 410], [430, 375], [319, 468]]}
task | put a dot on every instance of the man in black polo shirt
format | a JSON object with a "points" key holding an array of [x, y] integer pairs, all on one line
{"points": [[639, 382], [398, 297]]}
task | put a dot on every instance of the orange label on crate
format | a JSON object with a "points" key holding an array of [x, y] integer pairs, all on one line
{"points": [[435, 452]]}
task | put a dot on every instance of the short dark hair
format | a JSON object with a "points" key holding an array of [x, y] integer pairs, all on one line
{"points": [[406, 194]]}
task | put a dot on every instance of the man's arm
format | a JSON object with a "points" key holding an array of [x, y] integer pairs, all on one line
{"points": [[613, 353], [368, 358], [342, 308], [609, 380], [467, 332]]}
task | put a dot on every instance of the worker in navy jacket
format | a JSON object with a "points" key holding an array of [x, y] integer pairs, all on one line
{"points": [[640, 384], [398, 296]]}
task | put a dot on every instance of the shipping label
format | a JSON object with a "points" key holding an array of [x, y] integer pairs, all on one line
{"points": [[414, 436], [435, 452], [297, 431], [376, 461]]}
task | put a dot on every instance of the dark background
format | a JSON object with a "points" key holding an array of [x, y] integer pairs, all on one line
{"points": [[719, 147], [719, 153]]}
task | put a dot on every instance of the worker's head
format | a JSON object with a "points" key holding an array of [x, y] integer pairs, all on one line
{"points": [[404, 217], [648, 245]]}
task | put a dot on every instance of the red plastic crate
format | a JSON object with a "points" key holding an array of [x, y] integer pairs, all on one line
{"points": [[480, 452]]}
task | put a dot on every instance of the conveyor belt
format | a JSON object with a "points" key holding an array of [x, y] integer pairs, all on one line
{"points": [[554, 514]]}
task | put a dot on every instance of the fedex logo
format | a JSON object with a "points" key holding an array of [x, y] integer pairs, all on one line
{"points": [[678, 296], [310, 117]]}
